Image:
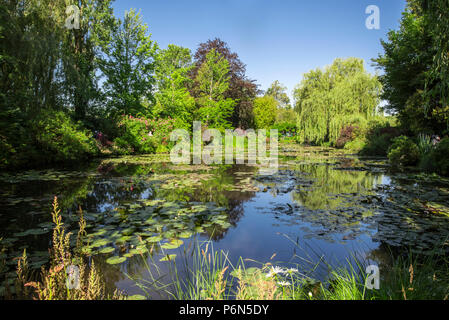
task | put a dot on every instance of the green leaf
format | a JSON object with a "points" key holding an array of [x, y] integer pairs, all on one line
{"points": [[116, 260], [168, 257]]}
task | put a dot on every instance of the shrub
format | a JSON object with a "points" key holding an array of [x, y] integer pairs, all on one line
{"points": [[347, 134], [355, 145], [61, 139], [142, 135], [16, 140], [285, 128], [437, 160], [403, 152], [379, 139]]}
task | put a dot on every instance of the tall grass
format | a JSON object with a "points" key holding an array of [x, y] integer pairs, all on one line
{"points": [[424, 143], [200, 274], [206, 274]]}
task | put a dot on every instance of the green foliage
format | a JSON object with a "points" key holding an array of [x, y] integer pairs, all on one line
{"points": [[241, 89], [212, 82], [81, 55], [286, 115], [143, 135], [355, 145], [347, 134], [424, 143], [172, 98], [29, 68], [278, 91], [415, 65], [264, 110], [285, 127], [403, 152], [437, 159], [327, 100], [61, 139], [129, 66], [378, 138]]}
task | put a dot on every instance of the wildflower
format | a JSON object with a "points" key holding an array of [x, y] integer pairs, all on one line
{"points": [[284, 283], [292, 270], [310, 294], [274, 271]]}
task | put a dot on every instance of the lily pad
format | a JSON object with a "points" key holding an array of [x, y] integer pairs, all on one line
{"points": [[107, 250], [116, 260], [172, 244], [168, 257]]}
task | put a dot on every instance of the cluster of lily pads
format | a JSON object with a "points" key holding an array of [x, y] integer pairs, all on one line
{"points": [[44, 175], [131, 227]]}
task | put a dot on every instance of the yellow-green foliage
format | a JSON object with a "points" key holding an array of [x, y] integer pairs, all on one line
{"points": [[327, 100], [265, 110], [59, 138]]}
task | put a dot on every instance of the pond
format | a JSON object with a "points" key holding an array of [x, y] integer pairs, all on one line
{"points": [[321, 204]]}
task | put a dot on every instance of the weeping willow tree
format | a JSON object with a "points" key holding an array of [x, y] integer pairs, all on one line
{"points": [[327, 100]]}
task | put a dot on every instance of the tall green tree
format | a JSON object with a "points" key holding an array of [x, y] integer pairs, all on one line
{"points": [[82, 51], [212, 82], [327, 100], [172, 80], [278, 91], [129, 67], [30, 35], [416, 67]]}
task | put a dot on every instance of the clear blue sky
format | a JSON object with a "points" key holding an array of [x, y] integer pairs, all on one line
{"points": [[276, 39]]}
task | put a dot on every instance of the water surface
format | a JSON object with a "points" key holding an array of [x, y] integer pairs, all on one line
{"points": [[321, 204]]}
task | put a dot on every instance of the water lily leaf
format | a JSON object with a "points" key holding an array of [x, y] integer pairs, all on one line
{"points": [[168, 257], [128, 231], [123, 239], [107, 250], [116, 260], [136, 297], [99, 243], [155, 239], [172, 244], [185, 234]]}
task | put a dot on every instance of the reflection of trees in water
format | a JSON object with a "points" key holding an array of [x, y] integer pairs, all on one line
{"points": [[112, 190], [108, 193], [330, 200], [215, 190], [236, 201], [329, 184]]}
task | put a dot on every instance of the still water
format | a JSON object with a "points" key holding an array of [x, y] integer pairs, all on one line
{"points": [[320, 205]]}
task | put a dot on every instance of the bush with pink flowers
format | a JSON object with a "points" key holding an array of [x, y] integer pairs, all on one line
{"points": [[144, 135]]}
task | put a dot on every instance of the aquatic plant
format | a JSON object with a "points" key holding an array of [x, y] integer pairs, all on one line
{"points": [[424, 143], [57, 282]]}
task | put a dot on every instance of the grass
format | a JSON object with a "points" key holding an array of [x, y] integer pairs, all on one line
{"points": [[210, 275]]}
